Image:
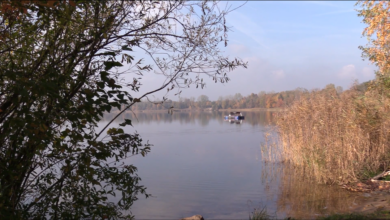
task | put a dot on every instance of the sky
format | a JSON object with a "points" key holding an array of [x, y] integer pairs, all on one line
{"points": [[287, 45]]}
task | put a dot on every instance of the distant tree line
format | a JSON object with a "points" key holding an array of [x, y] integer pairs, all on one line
{"points": [[262, 118], [260, 100]]}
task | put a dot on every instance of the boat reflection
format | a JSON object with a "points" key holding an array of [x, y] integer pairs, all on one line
{"points": [[261, 118], [235, 115], [234, 121]]}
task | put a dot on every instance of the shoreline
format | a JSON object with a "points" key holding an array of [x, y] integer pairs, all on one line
{"points": [[209, 110]]}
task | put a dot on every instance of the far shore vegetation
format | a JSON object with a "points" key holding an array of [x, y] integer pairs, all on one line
{"points": [[270, 101]]}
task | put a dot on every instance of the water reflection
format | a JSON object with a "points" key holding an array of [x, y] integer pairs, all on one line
{"points": [[301, 198], [234, 121], [263, 118], [201, 164]]}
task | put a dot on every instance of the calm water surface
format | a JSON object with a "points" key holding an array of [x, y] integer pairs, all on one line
{"points": [[201, 164]]}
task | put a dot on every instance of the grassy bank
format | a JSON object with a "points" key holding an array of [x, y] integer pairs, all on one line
{"points": [[337, 138]]}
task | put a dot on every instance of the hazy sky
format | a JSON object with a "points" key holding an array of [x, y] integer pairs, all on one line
{"points": [[288, 45]]}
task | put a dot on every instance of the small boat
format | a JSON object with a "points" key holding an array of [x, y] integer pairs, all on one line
{"points": [[235, 115]]}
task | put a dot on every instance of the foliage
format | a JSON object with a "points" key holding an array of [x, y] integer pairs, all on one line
{"points": [[260, 100], [376, 15], [260, 214], [62, 66]]}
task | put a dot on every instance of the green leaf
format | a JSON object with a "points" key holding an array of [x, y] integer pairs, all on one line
{"points": [[120, 96], [104, 76], [126, 48], [106, 54], [100, 84], [110, 64], [126, 122]]}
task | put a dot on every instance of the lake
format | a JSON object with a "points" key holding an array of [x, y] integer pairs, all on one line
{"points": [[201, 164]]}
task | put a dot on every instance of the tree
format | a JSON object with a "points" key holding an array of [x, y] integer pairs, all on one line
{"points": [[237, 96], [202, 101], [225, 104], [330, 89], [203, 98], [62, 67], [339, 89], [376, 15]]}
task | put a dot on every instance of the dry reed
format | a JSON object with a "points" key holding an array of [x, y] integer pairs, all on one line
{"points": [[336, 138]]}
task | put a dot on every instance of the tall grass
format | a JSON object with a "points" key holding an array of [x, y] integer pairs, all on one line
{"points": [[336, 138], [260, 214]]}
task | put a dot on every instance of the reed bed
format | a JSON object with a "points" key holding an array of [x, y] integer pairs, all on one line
{"points": [[336, 138]]}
